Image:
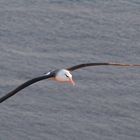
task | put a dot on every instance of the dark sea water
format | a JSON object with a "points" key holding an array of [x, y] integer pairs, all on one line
{"points": [[40, 35]]}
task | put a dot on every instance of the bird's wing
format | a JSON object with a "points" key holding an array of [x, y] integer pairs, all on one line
{"points": [[100, 64], [24, 85]]}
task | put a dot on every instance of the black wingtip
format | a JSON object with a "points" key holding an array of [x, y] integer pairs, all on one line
{"points": [[24, 85], [4, 98]]}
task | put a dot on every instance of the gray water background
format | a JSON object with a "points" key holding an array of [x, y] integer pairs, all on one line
{"points": [[38, 36]]}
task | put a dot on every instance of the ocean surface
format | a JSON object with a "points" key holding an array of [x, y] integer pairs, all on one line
{"points": [[37, 36]]}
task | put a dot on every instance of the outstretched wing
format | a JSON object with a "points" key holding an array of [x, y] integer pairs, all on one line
{"points": [[100, 64], [24, 85]]}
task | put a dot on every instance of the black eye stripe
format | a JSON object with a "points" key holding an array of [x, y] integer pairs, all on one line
{"points": [[66, 75]]}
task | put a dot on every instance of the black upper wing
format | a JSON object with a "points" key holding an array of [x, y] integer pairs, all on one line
{"points": [[24, 85], [99, 64]]}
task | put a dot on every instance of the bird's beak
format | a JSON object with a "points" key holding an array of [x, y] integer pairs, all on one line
{"points": [[72, 81]]}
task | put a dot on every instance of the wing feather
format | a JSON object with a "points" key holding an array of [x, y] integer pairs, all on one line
{"points": [[100, 64], [24, 85]]}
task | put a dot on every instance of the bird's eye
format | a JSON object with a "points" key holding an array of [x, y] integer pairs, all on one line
{"points": [[66, 75]]}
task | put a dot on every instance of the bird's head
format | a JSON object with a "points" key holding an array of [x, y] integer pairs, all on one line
{"points": [[64, 75]]}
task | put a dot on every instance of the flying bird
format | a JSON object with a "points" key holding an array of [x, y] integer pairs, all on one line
{"points": [[60, 75]]}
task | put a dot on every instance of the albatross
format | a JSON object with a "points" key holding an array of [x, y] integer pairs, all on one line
{"points": [[60, 75]]}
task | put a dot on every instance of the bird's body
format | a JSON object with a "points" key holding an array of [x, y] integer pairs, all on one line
{"points": [[61, 75]]}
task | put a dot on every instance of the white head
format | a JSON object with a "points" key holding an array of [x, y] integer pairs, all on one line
{"points": [[64, 75]]}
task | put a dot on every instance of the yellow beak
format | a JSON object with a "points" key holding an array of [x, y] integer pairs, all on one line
{"points": [[72, 81]]}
